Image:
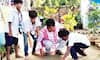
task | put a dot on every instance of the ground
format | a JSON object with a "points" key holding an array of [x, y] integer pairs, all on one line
{"points": [[93, 53]]}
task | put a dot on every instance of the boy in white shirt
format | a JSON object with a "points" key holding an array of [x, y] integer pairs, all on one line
{"points": [[76, 43], [11, 36], [32, 28], [35, 27]]}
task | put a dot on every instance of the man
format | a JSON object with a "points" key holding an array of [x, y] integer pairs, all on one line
{"points": [[77, 43], [14, 27], [48, 38]]}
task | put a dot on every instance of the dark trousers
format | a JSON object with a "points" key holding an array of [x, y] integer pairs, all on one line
{"points": [[77, 49], [26, 44], [35, 43]]}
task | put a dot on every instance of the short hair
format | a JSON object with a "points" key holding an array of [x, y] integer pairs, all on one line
{"points": [[50, 22], [63, 32], [32, 13], [17, 1]]}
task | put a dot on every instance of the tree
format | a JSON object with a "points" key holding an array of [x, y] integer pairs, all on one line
{"points": [[94, 19]]}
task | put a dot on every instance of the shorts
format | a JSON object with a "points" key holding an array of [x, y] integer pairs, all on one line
{"points": [[10, 40]]}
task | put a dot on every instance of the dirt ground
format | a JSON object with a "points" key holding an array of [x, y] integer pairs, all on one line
{"points": [[93, 53]]}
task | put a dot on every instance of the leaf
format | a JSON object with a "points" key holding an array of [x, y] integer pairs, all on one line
{"points": [[57, 3], [2, 49], [91, 25], [94, 4]]}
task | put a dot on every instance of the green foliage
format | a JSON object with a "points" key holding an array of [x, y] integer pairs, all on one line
{"points": [[2, 49], [91, 25], [44, 22], [57, 3], [78, 18], [94, 4], [94, 17]]}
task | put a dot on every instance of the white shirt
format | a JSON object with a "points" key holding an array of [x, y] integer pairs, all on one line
{"points": [[14, 18], [77, 38], [34, 26], [26, 22]]}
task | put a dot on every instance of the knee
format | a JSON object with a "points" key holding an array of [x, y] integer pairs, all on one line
{"points": [[48, 44]]}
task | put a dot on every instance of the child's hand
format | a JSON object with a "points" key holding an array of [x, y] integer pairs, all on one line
{"points": [[30, 44], [41, 52]]}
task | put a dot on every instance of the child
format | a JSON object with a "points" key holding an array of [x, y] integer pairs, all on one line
{"points": [[48, 38], [26, 32], [31, 28], [77, 43], [11, 36], [35, 27]]}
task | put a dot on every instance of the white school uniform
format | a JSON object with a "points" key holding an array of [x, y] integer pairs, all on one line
{"points": [[29, 27], [77, 38], [34, 26], [15, 18], [26, 23]]}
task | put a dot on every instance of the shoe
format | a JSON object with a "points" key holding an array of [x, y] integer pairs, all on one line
{"points": [[58, 52]]}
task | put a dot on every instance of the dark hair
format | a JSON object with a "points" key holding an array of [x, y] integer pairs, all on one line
{"points": [[17, 1], [50, 22], [63, 32], [32, 14]]}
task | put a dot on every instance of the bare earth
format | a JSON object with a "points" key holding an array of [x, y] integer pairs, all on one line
{"points": [[92, 54]]}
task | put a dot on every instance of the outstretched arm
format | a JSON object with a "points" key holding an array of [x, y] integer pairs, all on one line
{"points": [[66, 53]]}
